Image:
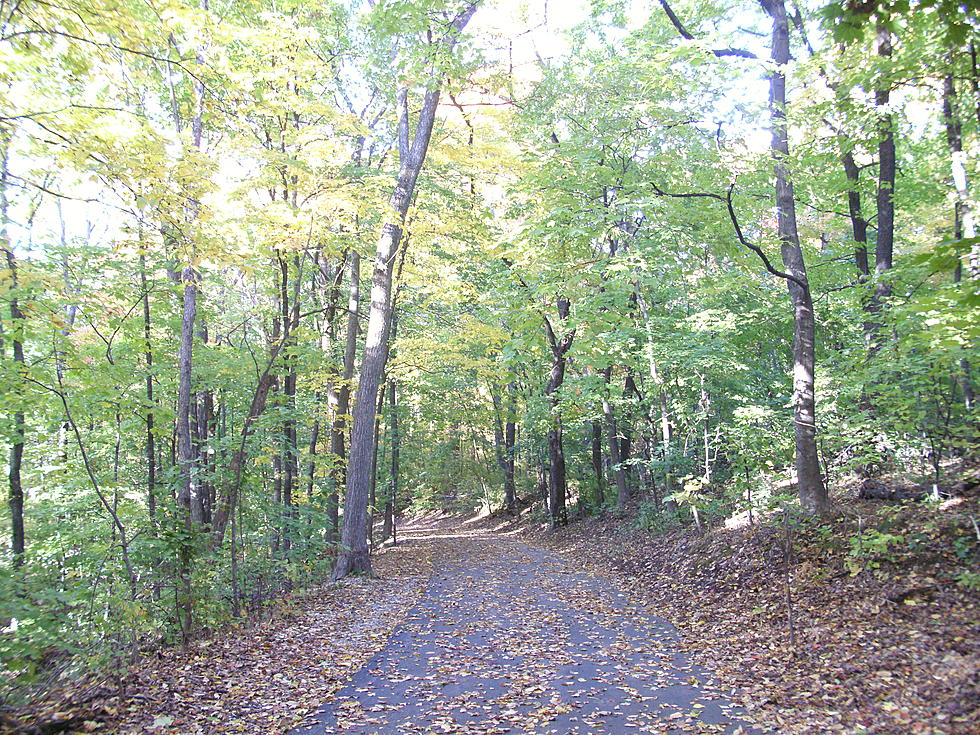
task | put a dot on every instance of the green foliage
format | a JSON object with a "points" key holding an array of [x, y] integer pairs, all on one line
{"points": [[545, 180]]}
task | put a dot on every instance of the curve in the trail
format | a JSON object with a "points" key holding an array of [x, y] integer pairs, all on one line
{"points": [[512, 639]]}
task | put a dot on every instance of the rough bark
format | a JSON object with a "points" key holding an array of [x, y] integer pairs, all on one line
{"points": [[354, 555], [812, 493]]}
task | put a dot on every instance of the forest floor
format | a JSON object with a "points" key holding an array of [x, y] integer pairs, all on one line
{"points": [[258, 678], [499, 626], [886, 630], [463, 631]]}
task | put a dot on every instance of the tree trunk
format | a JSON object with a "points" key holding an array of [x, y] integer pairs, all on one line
{"points": [[557, 482], [15, 496], [354, 555], [504, 431], [658, 381], [859, 225], [812, 493], [311, 466], [886, 190], [510, 447], [373, 495], [965, 227], [600, 477], [290, 439], [186, 496], [342, 405], [187, 501], [389, 521], [963, 223], [615, 458], [151, 467]]}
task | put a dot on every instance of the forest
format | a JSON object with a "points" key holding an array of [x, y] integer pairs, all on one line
{"points": [[280, 276]]}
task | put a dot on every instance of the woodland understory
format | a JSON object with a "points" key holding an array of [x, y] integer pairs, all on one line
{"points": [[687, 291]]}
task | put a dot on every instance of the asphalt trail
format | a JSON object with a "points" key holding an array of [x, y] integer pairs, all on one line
{"points": [[512, 639]]}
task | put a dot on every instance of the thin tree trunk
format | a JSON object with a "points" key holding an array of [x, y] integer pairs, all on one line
{"points": [[615, 459], [373, 495], [503, 443], [705, 429], [151, 467], [510, 447], [658, 381], [311, 466], [389, 520], [15, 496], [290, 439], [342, 404], [557, 482], [188, 503], [963, 223], [859, 225], [189, 509], [600, 478], [354, 555]]}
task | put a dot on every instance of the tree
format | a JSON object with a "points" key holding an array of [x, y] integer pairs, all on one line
{"points": [[354, 556]]}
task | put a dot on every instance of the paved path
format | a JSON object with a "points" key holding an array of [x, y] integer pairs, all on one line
{"points": [[512, 639]]}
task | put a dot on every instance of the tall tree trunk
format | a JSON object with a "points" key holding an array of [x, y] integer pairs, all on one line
{"points": [[151, 467], [354, 555], [859, 225], [557, 481], [964, 217], [812, 493], [615, 458], [503, 443], [963, 223], [510, 449], [342, 394], [657, 379], [600, 477], [15, 496], [290, 440], [187, 501], [388, 530], [885, 201], [189, 508]]}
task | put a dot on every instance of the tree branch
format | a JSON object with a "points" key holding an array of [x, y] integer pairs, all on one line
{"points": [[688, 36], [727, 199]]}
